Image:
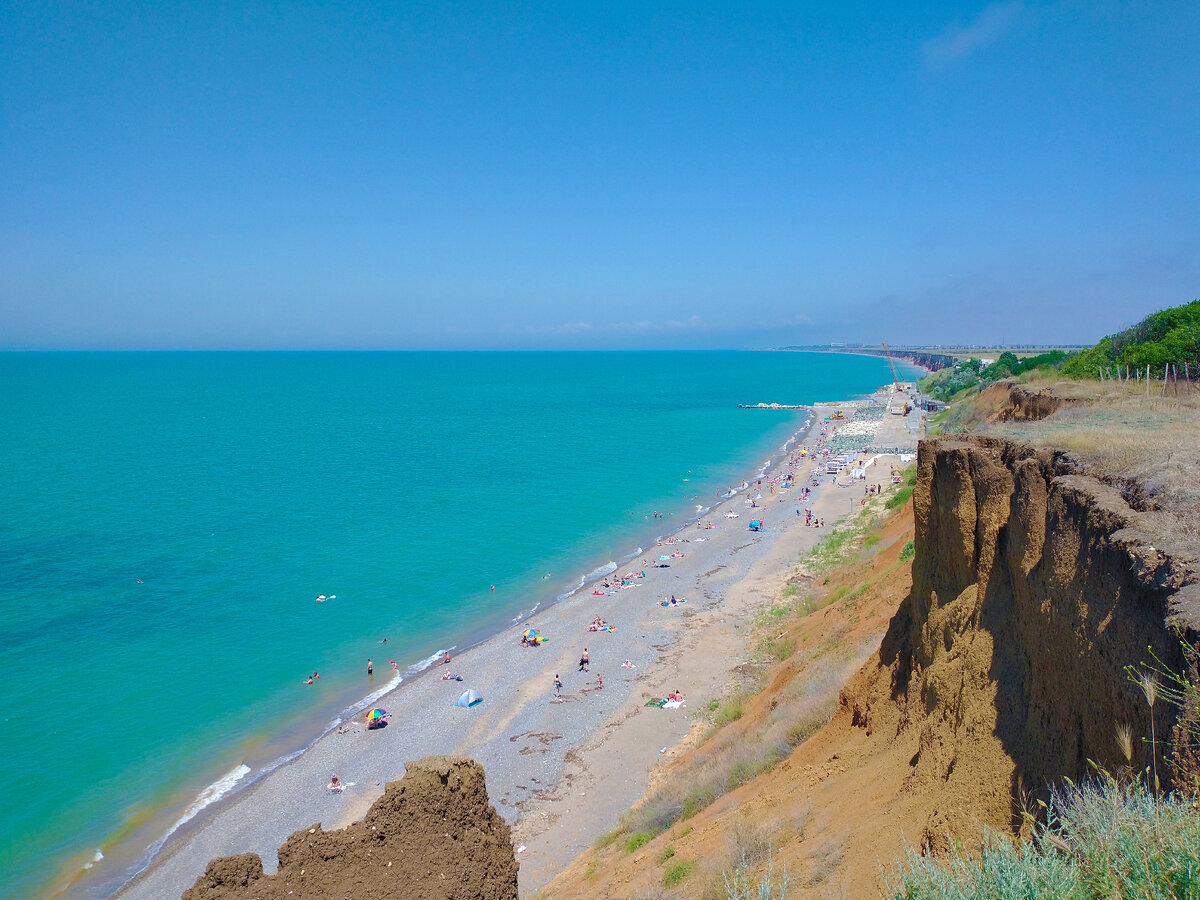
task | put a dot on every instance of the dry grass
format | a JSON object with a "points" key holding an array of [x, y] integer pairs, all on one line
{"points": [[730, 760], [1147, 446]]}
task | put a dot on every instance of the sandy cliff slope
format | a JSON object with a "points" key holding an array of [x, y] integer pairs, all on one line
{"points": [[1001, 671]]}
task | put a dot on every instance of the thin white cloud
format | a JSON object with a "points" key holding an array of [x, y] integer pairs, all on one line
{"points": [[958, 41]]}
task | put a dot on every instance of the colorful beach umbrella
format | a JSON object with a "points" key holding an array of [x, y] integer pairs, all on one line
{"points": [[530, 632], [376, 714]]}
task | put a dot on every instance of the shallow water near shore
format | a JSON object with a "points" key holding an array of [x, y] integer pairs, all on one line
{"points": [[172, 518]]}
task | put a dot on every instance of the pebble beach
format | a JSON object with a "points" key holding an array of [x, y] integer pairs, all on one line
{"points": [[560, 771]]}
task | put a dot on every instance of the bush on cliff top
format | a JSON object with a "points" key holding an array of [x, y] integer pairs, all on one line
{"points": [[945, 384], [1103, 840], [1171, 336]]}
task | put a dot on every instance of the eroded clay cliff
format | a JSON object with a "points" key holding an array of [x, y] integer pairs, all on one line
{"points": [[431, 836], [1034, 586]]}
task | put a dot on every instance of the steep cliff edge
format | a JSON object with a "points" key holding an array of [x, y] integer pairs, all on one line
{"points": [[1033, 588], [431, 836], [999, 673]]}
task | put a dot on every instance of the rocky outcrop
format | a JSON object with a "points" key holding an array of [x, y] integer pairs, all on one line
{"points": [[1034, 586], [431, 836]]}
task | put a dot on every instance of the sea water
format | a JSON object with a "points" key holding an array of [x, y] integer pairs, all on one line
{"points": [[171, 518]]}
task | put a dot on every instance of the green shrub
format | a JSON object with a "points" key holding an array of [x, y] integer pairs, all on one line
{"points": [[899, 498], [639, 839], [1103, 840], [678, 873], [590, 871], [872, 540], [743, 771], [668, 852], [607, 838], [778, 650], [697, 799], [730, 711], [908, 551]]}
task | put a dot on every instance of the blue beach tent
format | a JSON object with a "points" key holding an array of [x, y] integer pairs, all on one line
{"points": [[468, 699]]}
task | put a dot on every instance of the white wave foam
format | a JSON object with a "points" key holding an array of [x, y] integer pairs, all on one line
{"points": [[359, 705], [96, 857], [607, 569], [207, 797]]}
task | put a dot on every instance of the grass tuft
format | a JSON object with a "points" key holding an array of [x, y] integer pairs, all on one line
{"points": [[730, 711], [678, 873], [697, 799], [609, 837], [639, 839]]}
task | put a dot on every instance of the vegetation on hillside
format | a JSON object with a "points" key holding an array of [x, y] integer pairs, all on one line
{"points": [[974, 374], [1169, 337], [1102, 840], [1165, 338], [745, 735]]}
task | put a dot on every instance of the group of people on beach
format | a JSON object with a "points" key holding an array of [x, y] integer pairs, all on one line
{"points": [[781, 484]]}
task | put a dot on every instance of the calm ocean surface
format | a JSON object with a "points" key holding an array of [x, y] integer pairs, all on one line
{"points": [[170, 519]]}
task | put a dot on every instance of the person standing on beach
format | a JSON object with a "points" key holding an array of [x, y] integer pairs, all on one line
{"points": [[370, 668], [583, 661], [557, 688]]}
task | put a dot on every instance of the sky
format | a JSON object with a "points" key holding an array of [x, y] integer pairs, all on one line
{"points": [[562, 175]]}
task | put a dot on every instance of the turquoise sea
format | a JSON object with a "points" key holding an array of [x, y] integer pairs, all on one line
{"points": [[170, 518]]}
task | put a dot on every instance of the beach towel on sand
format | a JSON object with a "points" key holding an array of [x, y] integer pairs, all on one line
{"points": [[657, 702]]}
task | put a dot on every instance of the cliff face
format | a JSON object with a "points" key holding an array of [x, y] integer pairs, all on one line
{"points": [[431, 836], [1001, 670], [1033, 588]]}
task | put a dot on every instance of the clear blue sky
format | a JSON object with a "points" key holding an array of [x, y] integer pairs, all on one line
{"points": [[608, 175]]}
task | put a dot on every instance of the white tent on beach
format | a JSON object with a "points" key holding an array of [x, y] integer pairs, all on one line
{"points": [[469, 698]]}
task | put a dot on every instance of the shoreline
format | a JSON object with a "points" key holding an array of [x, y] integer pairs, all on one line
{"points": [[232, 787], [278, 786], [551, 740]]}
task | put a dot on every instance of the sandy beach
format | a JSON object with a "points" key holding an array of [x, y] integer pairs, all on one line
{"points": [[560, 772]]}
